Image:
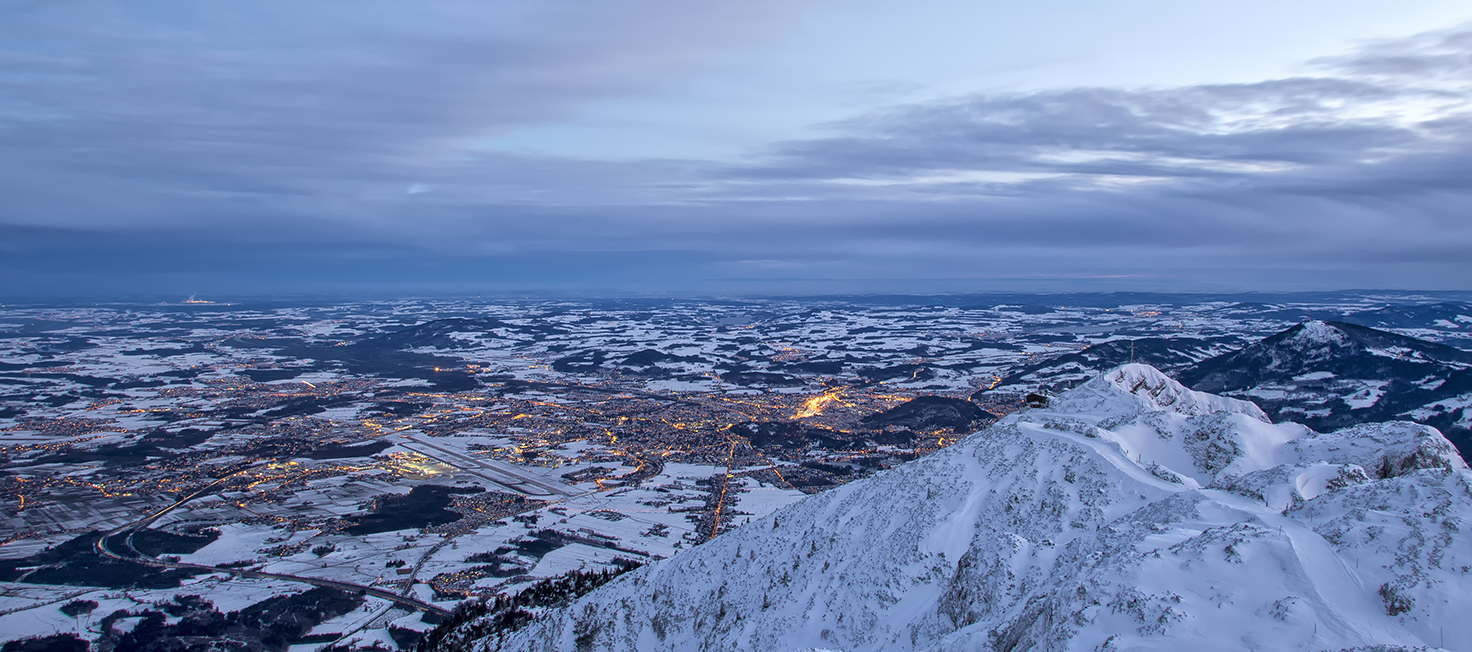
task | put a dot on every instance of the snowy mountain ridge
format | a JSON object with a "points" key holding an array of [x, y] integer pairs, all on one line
{"points": [[1131, 514]]}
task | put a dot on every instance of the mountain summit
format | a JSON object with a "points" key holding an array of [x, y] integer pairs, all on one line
{"points": [[1131, 514]]}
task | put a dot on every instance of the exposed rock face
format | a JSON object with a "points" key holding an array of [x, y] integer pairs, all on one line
{"points": [[1131, 514]]}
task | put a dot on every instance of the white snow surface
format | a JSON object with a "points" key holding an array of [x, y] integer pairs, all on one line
{"points": [[1044, 532]]}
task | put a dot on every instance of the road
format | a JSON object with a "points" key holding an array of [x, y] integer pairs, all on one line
{"points": [[715, 526], [104, 543]]}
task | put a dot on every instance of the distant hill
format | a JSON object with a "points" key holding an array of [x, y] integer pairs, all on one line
{"points": [[1329, 374], [1449, 314], [930, 413]]}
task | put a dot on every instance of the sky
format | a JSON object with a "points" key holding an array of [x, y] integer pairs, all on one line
{"points": [[762, 147]]}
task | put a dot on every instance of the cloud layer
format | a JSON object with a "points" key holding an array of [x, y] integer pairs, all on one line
{"points": [[154, 147]]}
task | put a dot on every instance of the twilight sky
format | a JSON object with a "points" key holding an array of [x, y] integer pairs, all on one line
{"points": [[752, 147]]}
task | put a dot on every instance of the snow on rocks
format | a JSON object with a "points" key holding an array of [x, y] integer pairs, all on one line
{"points": [[1146, 389], [1386, 450], [1131, 514], [1317, 332]]}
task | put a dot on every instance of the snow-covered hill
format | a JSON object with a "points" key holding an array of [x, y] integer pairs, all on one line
{"points": [[1131, 514], [1329, 375]]}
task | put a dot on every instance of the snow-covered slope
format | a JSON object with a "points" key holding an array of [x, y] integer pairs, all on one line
{"points": [[1132, 514], [1331, 374]]}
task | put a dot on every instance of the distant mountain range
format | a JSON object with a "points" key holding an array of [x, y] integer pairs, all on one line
{"points": [[1448, 314], [1130, 514]]}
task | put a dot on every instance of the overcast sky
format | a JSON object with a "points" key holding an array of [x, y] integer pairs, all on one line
{"points": [[751, 147]]}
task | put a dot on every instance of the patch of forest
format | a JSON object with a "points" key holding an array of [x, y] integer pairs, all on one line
{"points": [[424, 506]]}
